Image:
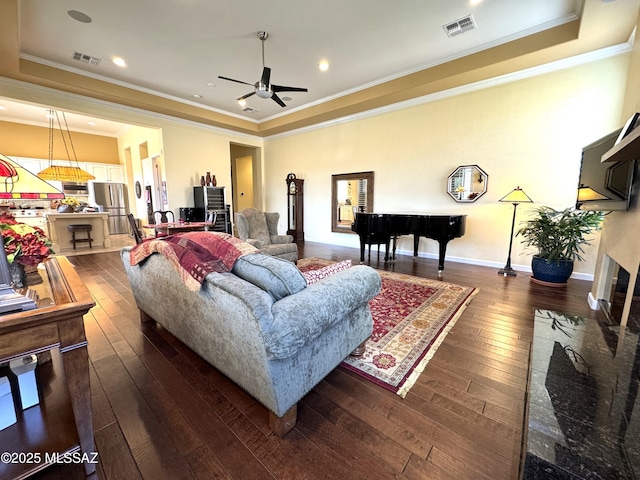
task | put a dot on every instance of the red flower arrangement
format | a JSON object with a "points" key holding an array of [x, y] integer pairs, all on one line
{"points": [[23, 243]]}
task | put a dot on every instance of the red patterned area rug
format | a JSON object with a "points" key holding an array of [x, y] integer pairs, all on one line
{"points": [[411, 318]]}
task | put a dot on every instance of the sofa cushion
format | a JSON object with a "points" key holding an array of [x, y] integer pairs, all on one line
{"points": [[258, 227], [274, 275]]}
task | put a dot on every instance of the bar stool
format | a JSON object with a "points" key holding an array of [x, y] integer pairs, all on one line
{"points": [[80, 228]]}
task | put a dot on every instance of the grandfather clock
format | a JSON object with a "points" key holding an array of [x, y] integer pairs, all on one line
{"points": [[295, 208]]}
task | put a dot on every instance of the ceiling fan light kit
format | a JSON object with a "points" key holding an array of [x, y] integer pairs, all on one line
{"points": [[263, 88]]}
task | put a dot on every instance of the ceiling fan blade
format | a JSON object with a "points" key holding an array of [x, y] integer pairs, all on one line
{"points": [[234, 80], [245, 96], [277, 99], [281, 88], [266, 75]]}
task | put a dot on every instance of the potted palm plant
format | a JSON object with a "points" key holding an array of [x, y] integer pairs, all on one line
{"points": [[559, 237]]}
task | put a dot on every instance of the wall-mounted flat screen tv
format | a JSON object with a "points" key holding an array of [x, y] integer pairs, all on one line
{"points": [[604, 186]]}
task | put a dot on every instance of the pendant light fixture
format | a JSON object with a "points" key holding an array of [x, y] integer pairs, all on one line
{"points": [[69, 173]]}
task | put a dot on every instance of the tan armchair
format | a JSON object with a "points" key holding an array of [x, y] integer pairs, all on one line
{"points": [[260, 229]]}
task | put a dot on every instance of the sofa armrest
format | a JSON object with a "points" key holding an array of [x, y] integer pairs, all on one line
{"points": [[300, 318], [279, 239], [255, 242]]}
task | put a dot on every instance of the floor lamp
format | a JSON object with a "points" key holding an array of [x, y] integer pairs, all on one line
{"points": [[516, 196]]}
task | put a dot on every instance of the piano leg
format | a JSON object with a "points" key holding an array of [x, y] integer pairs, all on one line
{"points": [[442, 252], [393, 250], [362, 243]]}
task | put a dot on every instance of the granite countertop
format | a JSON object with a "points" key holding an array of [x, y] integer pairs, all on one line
{"points": [[79, 213], [583, 390]]}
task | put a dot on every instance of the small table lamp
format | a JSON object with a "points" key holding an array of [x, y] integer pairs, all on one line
{"points": [[516, 196], [588, 194]]}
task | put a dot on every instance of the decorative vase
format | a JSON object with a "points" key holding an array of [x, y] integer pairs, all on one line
{"points": [[18, 275], [214, 182], [62, 208], [208, 179], [202, 181], [32, 275]]}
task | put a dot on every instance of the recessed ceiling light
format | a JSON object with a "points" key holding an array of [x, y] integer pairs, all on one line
{"points": [[211, 84], [242, 102], [323, 66], [93, 124], [79, 16], [197, 95], [2, 107], [119, 61], [286, 99]]}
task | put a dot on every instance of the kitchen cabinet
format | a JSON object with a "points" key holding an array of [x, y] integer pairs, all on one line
{"points": [[105, 172], [33, 221], [33, 165]]}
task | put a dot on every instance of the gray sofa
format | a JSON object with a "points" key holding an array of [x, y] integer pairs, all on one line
{"points": [[260, 229], [261, 324]]}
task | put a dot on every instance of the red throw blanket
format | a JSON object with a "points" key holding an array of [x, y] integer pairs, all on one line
{"points": [[195, 254]]}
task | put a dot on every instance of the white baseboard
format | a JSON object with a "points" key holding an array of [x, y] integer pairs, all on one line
{"points": [[484, 263], [593, 302]]}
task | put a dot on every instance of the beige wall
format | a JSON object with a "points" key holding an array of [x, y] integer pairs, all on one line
{"points": [[528, 133], [131, 141], [191, 152], [19, 140]]}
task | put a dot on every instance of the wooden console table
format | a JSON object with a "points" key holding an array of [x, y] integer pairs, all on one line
{"points": [[53, 426]]}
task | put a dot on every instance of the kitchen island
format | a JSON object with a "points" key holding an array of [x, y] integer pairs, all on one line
{"points": [[60, 236]]}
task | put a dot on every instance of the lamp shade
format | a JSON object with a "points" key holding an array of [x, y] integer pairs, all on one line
{"points": [[516, 195], [586, 194], [18, 183], [65, 174]]}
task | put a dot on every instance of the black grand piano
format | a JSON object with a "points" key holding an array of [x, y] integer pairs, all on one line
{"points": [[383, 228]]}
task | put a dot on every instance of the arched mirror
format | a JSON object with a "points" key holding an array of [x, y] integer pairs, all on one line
{"points": [[467, 183], [350, 192]]}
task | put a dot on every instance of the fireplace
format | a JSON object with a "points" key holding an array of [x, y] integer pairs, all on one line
{"points": [[622, 292]]}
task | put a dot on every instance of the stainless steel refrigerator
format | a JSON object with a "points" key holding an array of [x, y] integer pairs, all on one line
{"points": [[112, 197]]}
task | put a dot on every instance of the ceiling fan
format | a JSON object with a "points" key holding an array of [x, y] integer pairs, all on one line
{"points": [[262, 87]]}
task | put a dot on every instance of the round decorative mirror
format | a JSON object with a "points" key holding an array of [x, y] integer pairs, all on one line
{"points": [[138, 189], [467, 183]]}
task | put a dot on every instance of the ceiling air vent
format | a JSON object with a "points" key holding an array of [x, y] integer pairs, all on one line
{"points": [[460, 26], [249, 110], [84, 58]]}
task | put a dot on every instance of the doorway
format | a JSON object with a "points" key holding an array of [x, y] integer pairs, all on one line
{"points": [[246, 171]]}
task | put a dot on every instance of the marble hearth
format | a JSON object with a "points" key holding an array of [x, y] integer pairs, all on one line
{"points": [[582, 420]]}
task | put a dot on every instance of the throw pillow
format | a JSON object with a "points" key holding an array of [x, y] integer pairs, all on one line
{"points": [[274, 275], [313, 276]]}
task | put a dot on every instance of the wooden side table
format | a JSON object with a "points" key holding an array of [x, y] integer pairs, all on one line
{"points": [[62, 422]]}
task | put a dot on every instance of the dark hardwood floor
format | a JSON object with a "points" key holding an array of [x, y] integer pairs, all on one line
{"points": [[162, 412]]}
